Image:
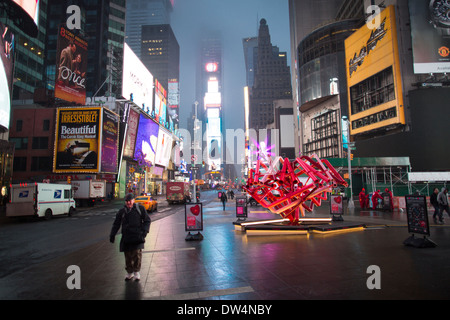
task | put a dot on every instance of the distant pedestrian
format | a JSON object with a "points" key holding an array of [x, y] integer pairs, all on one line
{"points": [[232, 194], [375, 196], [391, 199], [443, 203], [434, 202], [362, 198], [223, 198], [135, 224]]}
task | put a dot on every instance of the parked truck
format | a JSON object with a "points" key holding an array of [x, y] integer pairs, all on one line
{"points": [[40, 200], [88, 192], [178, 192]]}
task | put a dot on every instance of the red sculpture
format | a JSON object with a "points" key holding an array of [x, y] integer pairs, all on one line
{"points": [[296, 187]]}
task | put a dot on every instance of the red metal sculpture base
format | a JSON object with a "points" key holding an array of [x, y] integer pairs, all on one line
{"points": [[298, 186]]}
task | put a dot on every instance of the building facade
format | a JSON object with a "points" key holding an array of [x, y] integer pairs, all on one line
{"points": [[271, 80]]}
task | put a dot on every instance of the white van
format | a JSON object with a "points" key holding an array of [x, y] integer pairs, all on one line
{"points": [[40, 200]]}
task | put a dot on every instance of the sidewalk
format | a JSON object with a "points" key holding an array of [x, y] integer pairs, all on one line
{"points": [[229, 264]]}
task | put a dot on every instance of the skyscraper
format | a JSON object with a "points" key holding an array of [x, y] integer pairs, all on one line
{"points": [[145, 12], [160, 53], [272, 80]]}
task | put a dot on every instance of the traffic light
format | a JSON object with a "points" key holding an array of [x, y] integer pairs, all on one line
{"points": [[351, 156], [203, 163]]}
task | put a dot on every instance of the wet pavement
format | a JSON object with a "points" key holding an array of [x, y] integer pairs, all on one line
{"points": [[228, 264]]}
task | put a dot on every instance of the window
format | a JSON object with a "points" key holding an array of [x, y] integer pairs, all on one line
{"points": [[41, 164], [46, 125], [19, 124], [20, 143], [373, 91], [20, 164], [67, 194], [40, 143]]}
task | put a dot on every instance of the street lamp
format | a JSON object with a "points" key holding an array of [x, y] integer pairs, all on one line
{"points": [[351, 205]]}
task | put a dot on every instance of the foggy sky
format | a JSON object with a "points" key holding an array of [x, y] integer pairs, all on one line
{"points": [[235, 20]]}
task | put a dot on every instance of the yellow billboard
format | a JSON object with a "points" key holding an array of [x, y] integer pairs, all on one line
{"points": [[77, 140], [374, 81]]}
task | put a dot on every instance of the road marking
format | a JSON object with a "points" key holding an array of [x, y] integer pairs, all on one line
{"points": [[204, 294], [168, 250]]}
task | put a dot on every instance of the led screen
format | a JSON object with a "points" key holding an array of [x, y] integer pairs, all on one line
{"points": [[164, 148], [6, 74], [137, 81], [146, 141]]}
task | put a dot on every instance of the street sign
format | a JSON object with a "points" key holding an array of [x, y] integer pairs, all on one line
{"points": [[193, 158]]}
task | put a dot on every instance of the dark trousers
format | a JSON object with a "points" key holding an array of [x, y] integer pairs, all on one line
{"points": [[437, 212], [443, 208], [133, 260], [223, 203]]}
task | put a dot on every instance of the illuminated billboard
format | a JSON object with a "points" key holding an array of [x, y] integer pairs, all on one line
{"points": [[130, 138], [160, 103], [110, 141], [373, 76], [71, 66], [430, 34], [77, 140], [163, 148], [7, 53], [137, 81], [173, 101], [28, 13], [146, 141]]}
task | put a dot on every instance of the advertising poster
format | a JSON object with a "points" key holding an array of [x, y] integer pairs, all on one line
{"points": [[146, 142], [241, 207], [110, 141], [71, 65], [137, 81], [160, 103], [417, 214], [6, 74], [193, 217], [130, 138], [336, 205], [173, 101], [374, 82], [77, 140], [430, 35], [164, 148]]}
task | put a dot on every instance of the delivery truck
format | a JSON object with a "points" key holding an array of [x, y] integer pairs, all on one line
{"points": [[40, 200], [88, 192], [178, 192]]}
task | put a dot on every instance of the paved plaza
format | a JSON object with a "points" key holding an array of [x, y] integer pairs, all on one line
{"points": [[228, 264]]}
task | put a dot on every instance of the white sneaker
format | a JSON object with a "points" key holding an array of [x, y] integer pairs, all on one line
{"points": [[137, 276], [129, 276]]}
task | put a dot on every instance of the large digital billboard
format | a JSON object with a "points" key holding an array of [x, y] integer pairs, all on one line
{"points": [[173, 101], [146, 141], [430, 35], [164, 148], [71, 66], [373, 76], [130, 138], [160, 103], [6, 74], [110, 141], [137, 81], [27, 12], [77, 140]]}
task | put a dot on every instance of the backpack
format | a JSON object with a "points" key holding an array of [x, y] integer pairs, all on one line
{"points": [[132, 235]]}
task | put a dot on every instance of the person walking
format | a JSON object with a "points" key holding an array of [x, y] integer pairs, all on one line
{"points": [[435, 204], [362, 198], [443, 203], [223, 198], [135, 224]]}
